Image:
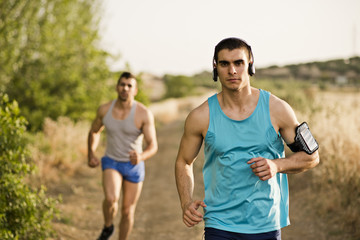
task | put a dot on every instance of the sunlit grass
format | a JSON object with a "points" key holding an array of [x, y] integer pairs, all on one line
{"points": [[60, 149], [337, 127]]}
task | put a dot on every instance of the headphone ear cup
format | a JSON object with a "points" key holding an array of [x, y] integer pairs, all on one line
{"points": [[251, 69], [215, 74]]}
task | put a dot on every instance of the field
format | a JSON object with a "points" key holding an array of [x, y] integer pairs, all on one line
{"points": [[324, 202]]}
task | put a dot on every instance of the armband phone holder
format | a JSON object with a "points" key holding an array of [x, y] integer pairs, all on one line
{"points": [[304, 140]]}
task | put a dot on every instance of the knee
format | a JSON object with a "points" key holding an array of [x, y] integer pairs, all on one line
{"points": [[111, 200], [128, 211]]}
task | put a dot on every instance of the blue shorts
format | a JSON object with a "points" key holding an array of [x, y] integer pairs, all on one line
{"points": [[129, 172], [216, 234]]}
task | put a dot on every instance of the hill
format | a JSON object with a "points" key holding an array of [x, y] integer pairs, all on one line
{"points": [[345, 72], [340, 71]]}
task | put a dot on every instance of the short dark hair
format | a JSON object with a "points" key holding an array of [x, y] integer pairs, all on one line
{"points": [[231, 44], [126, 75]]}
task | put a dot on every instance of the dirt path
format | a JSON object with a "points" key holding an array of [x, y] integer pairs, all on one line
{"points": [[158, 214]]}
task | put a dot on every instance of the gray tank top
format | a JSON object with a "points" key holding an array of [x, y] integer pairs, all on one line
{"points": [[122, 135]]}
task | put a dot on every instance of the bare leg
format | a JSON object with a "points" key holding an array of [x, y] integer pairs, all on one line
{"points": [[131, 196], [112, 186]]}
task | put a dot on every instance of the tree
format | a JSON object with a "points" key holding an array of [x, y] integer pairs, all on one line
{"points": [[49, 59]]}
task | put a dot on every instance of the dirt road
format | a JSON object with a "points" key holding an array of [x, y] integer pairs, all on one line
{"points": [[158, 215]]}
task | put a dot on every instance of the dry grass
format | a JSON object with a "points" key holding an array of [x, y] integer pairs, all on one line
{"points": [[336, 191], [60, 150]]}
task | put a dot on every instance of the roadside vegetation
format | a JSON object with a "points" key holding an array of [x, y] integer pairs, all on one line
{"points": [[25, 210]]}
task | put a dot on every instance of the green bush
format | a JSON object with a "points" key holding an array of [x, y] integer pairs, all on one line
{"points": [[178, 86], [25, 213], [141, 95], [298, 94]]}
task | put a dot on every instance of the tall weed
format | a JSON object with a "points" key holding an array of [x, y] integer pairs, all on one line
{"points": [[337, 180], [60, 149]]}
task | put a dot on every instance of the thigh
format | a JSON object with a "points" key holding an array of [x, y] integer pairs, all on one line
{"points": [[112, 180], [131, 193]]}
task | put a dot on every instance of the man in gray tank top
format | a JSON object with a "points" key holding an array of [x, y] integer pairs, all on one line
{"points": [[127, 123]]}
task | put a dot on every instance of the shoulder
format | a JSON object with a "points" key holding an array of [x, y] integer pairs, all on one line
{"points": [[278, 105], [281, 112], [199, 113], [143, 112], [198, 118], [100, 114], [103, 109]]}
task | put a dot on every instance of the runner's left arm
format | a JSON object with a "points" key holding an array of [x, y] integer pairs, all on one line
{"points": [[151, 145]]}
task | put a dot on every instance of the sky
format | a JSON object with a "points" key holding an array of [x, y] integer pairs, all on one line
{"points": [[179, 36]]}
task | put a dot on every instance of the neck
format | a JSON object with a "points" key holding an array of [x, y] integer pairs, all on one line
{"points": [[237, 98], [121, 103], [239, 105]]}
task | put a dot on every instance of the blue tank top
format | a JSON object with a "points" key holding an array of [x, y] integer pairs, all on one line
{"points": [[236, 199]]}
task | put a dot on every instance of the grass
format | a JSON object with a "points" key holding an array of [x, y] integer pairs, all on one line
{"points": [[60, 149], [337, 177]]}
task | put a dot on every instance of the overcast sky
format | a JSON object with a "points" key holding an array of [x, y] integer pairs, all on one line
{"points": [[179, 36]]}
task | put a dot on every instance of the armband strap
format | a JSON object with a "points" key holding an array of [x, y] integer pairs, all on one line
{"points": [[304, 140]]}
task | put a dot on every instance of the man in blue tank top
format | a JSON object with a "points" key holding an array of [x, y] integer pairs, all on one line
{"points": [[127, 123], [243, 128]]}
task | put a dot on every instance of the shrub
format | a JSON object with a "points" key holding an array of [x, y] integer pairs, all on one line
{"points": [[25, 213], [300, 95], [178, 86]]}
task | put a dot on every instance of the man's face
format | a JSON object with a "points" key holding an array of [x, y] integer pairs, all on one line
{"points": [[232, 67], [127, 88]]}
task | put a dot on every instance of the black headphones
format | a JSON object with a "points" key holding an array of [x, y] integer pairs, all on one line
{"points": [[251, 68]]}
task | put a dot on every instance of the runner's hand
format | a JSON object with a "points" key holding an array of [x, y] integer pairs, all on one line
{"points": [[191, 215], [93, 161], [263, 168], [135, 157]]}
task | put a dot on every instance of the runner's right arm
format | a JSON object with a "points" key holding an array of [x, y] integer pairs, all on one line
{"points": [[190, 144], [94, 137]]}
